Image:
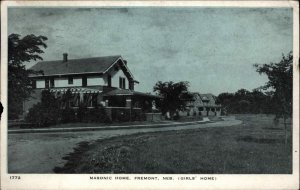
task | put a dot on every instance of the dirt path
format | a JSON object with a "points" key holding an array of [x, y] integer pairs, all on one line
{"points": [[41, 152]]}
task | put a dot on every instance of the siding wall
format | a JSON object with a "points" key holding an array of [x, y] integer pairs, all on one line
{"points": [[63, 82], [40, 83], [115, 78], [95, 81]]}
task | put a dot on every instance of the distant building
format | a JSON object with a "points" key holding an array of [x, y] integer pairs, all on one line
{"points": [[202, 105], [92, 81]]}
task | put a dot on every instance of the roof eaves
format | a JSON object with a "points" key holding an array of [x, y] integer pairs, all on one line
{"points": [[127, 68], [65, 74], [112, 64]]}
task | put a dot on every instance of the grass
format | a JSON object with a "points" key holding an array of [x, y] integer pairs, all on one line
{"points": [[251, 148]]}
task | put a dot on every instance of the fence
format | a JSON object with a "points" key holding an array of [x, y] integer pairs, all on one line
{"points": [[123, 114]]}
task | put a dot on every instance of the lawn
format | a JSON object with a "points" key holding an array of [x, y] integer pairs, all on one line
{"points": [[254, 147]]}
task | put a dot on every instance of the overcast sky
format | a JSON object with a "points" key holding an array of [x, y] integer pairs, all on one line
{"points": [[212, 48]]}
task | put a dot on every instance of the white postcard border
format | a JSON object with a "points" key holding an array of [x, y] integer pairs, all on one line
{"points": [[83, 181]]}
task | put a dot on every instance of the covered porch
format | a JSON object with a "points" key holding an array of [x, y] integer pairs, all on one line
{"points": [[131, 104], [119, 104]]}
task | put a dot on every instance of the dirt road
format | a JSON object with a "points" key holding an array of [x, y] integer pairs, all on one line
{"points": [[41, 152]]}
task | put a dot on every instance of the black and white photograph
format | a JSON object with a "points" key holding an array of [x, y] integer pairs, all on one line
{"points": [[150, 93]]}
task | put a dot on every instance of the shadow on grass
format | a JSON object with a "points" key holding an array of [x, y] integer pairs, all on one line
{"points": [[273, 128], [72, 158], [259, 140]]}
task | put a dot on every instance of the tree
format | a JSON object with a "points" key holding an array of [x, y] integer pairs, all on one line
{"points": [[280, 84], [20, 51], [260, 102], [175, 96], [244, 101], [225, 99]]}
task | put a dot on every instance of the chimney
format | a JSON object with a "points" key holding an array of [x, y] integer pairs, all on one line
{"points": [[65, 57], [125, 61]]}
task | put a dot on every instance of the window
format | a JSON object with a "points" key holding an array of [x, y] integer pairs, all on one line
{"points": [[70, 80], [84, 81], [122, 82], [52, 82], [75, 100], [200, 109], [90, 100]]}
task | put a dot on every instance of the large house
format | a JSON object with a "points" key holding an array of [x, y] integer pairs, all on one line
{"points": [[92, 81], [202, 105]]}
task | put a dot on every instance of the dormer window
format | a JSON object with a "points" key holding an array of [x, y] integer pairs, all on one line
{"points": [[70, 80]]}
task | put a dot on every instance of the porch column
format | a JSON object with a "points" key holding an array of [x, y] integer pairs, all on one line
{"points": [[153, 105], [128, 102], [80, 97], [106, 103]]}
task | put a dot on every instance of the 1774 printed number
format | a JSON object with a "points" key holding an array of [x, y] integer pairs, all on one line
{"points": [[15, 177]]}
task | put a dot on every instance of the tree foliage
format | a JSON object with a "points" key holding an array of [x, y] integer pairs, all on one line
{"points": [[20, 51], [244, 101], [280, 84], [174, 95], [275, 97]]}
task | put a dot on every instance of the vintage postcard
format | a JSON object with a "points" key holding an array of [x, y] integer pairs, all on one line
{"points": [[150, 94]]}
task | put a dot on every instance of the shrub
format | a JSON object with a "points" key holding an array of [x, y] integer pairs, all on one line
{"points": [[49, 112], [176, 116], [122, 115], [91, 115], [68, 115], [43, 116], [81, 113]]}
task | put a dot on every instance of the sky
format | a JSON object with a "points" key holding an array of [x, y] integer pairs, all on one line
{"points": [[212, 48]]}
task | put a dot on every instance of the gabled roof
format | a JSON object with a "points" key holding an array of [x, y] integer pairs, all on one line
{"points": [[209, 97], [204, 99], [78, 66]]}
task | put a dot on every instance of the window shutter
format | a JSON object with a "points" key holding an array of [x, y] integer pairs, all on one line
{"points": [[120, 82], [33, 82], [109, 80], [124, 83]]}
